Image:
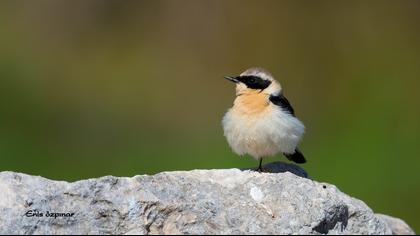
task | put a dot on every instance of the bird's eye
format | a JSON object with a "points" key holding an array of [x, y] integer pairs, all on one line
{"points": [[252, 80]]}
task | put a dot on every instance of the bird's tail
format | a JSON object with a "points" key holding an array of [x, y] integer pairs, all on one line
{"points": [[297, 157]]}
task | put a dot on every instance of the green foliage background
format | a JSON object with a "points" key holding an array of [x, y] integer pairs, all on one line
{"points": [[92, 88]]}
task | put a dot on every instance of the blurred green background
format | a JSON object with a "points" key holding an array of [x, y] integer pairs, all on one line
{"points": [[93, 88]]}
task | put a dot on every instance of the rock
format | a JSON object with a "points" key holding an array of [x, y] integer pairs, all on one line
{"points": [[398, 226], [228, 201]]}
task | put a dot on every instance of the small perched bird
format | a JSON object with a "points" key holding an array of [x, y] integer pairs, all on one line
{"points": [[262, 122]]}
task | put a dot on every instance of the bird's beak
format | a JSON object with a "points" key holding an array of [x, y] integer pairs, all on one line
{"points": [[233, 79]]}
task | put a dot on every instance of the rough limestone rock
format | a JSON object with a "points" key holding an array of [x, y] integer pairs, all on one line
{"points": [[229, 201]]}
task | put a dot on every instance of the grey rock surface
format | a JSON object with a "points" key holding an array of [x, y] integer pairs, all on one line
{"points": [[397, 226], [228, 201]]}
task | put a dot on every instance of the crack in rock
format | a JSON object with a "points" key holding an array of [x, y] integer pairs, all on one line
{"points": [[336, 218]]}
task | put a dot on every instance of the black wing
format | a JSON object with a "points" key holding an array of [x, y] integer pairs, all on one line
{"points": [[282, 102]]}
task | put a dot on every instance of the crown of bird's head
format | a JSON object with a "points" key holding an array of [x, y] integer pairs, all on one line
{"points": [[255, 80]]}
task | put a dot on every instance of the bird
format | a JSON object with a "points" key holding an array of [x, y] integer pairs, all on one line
{"points": [[262, 122]]}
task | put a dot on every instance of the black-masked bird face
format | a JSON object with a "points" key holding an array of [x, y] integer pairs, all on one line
{"points": [[255, 80], [251, 81]]}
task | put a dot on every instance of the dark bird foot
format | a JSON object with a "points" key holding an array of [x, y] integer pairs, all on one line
{"points": [[260, 170]]}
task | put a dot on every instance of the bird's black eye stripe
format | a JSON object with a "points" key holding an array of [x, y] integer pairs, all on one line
{"points": [[254, 82]]}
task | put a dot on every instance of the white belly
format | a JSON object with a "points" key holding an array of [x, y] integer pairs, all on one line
{"points": [[266, 134]]}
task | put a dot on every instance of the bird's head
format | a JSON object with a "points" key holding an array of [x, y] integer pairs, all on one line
{"points": [[255, 80]]}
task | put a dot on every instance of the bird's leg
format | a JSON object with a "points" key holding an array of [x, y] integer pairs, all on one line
{"points": [[260, 167]]}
